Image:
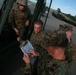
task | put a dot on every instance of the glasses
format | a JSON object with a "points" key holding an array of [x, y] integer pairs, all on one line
{"points": [[22, 5]]}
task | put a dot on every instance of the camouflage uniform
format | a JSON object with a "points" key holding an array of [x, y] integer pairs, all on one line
{"points": [[71, 50], [47, 65], [36, 40], [71, 57], [65, 28], [18, 19]]}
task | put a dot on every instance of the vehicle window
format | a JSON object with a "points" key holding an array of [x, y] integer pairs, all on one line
{"points": [[31, 5]]}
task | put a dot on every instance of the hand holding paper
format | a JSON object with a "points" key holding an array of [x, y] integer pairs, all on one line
{"points": [[26, 47]]}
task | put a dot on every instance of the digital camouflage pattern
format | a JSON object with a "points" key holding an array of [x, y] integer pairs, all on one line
{"points": [[22, 2], [36, 40], [65, 28], [71, 51], [18, 18], [71, 58], [27, 69], [53, 39], [47, 65]]}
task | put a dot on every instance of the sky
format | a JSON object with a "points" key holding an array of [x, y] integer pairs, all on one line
{"points": [[66, 6]]}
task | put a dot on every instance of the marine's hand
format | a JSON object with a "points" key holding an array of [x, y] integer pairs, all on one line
{"points": [[16, 30], [33, 53], [27, 23], [26, 58]]}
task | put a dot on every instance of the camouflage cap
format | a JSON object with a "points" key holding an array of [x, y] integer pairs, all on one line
{"points": [[65, 28], [55, 38], [22, 2]]}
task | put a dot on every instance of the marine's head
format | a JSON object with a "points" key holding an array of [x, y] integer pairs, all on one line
{"points": [[55, 43], [22, 2], [67, 29], [38, 26], [55, 38]]}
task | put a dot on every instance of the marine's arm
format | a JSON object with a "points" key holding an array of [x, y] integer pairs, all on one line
{"points": [[12, 21], [12, 18], [27, 68]]}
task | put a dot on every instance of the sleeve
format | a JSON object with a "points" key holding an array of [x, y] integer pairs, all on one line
{"points": [[73, 51], [12, 18], [27, 69]]}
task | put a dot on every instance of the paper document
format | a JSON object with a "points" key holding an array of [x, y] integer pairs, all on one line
{"points": [[26, 47]]}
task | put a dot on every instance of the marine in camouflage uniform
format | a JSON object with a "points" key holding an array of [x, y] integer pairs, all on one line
{"points": [[47, 65], [71, 50], [37, 35], [18, 18], [36, 40]]}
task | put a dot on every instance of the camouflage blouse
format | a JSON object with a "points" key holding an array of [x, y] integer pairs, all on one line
{"points": [[18, 18], [36, 40], [71, 51], [46, 65], [49, 66]]}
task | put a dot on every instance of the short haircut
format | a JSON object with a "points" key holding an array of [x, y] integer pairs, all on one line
{"points": [[39, 22]]}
